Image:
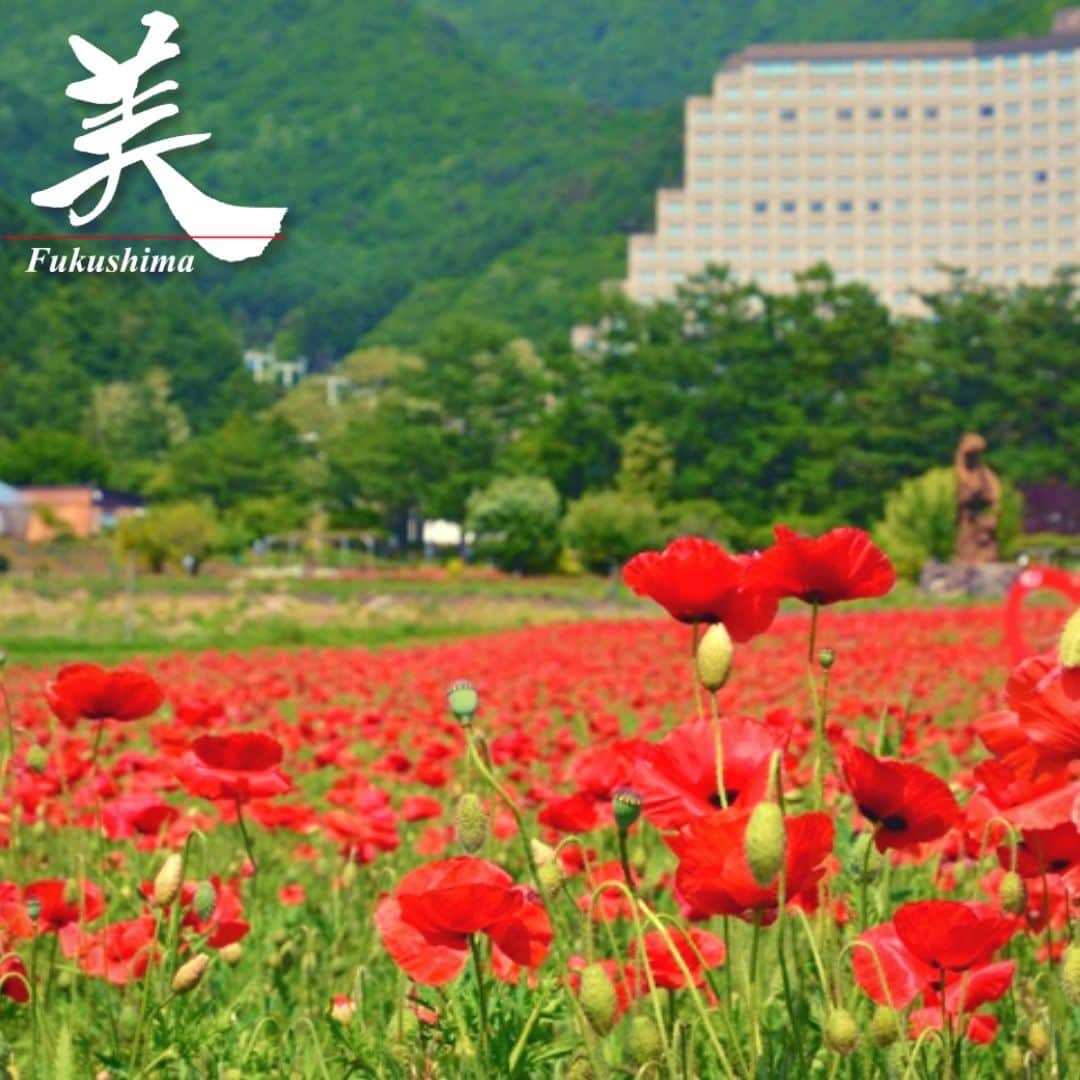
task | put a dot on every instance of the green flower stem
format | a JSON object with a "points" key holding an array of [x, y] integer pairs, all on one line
{"points": [[695, 996], [624, 861], [718, 739], [481, 995], [863, 882], [639, 937], [695, 636], [813, 633], [245, 837]]}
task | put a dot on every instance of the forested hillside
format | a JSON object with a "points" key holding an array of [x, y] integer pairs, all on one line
{"points": [[643, 52]]}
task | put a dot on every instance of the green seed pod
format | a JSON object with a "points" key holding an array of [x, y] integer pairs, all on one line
{"points": [[643, 1043], [598, 999], [1038, 1039], [626, 803], [471, 822], [864, 866], [841, 1032], [766, 841], [713, 657], [463, 700], [826, 658], [580, 1069], [1014, 1062], [37, 758], [1013, 893], [550, 876], [1070, 973], [205, 901], [884, 1027], [1069, 645]]}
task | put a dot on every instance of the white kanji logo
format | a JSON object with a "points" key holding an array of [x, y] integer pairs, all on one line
{"points": [[231, 233]]}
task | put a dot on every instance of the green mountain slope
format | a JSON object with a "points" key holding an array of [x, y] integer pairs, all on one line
{"points": [[643, 52], [405, 157]]}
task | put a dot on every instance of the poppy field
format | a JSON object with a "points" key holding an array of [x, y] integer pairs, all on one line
{"points": [[767, 833]]}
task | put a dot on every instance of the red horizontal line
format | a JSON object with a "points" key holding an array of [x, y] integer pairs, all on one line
{"points": [[80, 236]]}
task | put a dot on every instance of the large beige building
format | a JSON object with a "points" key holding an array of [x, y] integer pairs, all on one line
{"points": [[887, 160]]}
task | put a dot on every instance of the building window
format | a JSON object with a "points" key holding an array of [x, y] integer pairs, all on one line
{"points": [[761, 206], [844, 206], [788, 114], [788, 207], [874, 114], [1040, 176], [902, 112], [844, 114], [930, 112], [986, 110], [873, 206], [817, 206]]}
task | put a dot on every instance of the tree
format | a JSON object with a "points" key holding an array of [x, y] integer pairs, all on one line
{"points": [[604, 529], [648, 465], [516, 522], [170, 533], [45, 456]]}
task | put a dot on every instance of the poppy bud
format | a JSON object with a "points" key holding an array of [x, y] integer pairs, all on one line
{"points": [[190, 974], [1038, 1039], [643, 1042], [232, 953], [1069, 646], [713, 657], [542, 853], [1013, 893], [168, 880], [580, 1069], [33, 908], [205, 901], [884, 1027], [471, 822], [1070, 973], [550, 876], [626, 803], [37, 758], [765, 841], [1014, 1062], [342, 1009], [841, 1032], [826, 658], [598, 999], [463, 700], [864, 865]]}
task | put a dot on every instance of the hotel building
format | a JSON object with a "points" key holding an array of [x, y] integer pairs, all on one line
{"points": [[886, 160]]}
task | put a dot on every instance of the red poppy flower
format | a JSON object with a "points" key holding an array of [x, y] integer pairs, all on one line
{"points": [[714, 876], [14, 981], [676, 778], [952, 934], [239, 766], [886, 969], [1046, 699], [55, 902], [700, 952], [1045, 851], [844, 564], [118, 953], [906, 804], [89, 692], [697, 581], [426, 923]]}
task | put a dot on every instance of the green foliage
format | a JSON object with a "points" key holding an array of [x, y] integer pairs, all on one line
{"points": [[604, 529], [702, 517], [919, 522], [169, 533], [647, 467], [640, 52], [42, 455], [262, 517], [516, 522]]}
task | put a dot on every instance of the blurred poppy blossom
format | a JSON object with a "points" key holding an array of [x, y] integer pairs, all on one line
{"points": [[89, 692]]}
